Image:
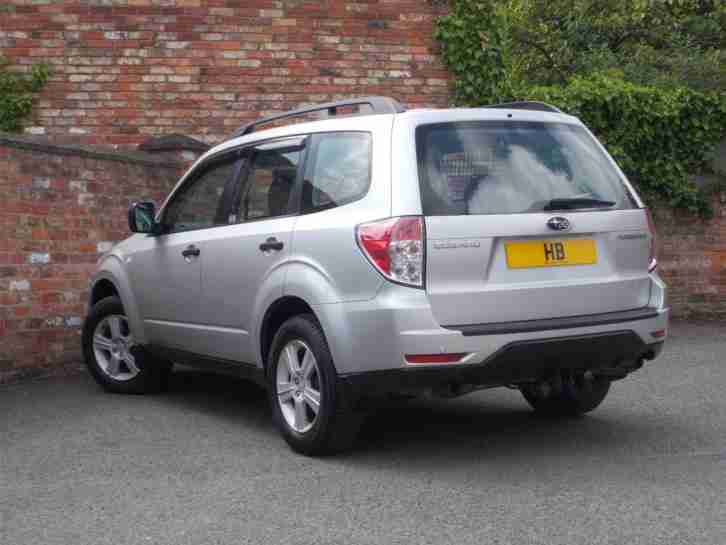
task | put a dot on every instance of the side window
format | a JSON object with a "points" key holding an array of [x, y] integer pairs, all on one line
{"points": [[270, 181], [339, 172], [199, 203]]}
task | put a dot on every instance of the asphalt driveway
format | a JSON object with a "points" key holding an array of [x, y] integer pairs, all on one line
{"points": [[203, 464]]}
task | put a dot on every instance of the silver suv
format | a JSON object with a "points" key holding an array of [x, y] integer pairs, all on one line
{"points": [[382, 253]]}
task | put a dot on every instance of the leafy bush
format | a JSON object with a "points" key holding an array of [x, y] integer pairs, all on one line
{"points": [[647, 77], [547, 42], [16, 93], [475, 46], [661, 43]]}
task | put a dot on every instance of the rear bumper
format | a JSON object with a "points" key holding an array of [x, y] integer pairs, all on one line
{"points": [[615, 354], [375, 335], [369, 341]]}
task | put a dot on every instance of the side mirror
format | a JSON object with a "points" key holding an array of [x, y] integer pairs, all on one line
{"points": [[141, 217]]}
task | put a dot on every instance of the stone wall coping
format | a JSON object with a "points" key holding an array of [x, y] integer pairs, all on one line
{"points": [[45, 145], [173, 142]]}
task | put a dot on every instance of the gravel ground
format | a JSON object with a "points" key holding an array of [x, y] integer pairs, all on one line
{"points": [[203, 464]]}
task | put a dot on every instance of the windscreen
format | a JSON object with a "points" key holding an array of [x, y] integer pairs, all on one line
{"points": [[512, 168]]}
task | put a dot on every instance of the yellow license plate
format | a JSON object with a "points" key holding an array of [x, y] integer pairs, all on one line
{"points": [[550, 253]]}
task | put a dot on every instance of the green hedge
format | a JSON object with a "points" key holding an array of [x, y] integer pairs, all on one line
{"points": [[16, 94], [476, 46]]}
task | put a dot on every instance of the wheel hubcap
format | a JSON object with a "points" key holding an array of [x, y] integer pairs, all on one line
{"points": [[112, 346], [298, 386]]}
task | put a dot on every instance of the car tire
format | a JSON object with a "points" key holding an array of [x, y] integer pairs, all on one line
{"points": [[575, 398], [111, 356], [296, 381]]}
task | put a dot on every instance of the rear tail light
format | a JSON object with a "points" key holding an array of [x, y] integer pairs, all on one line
{"points": [[395, 247], [652, 260]]}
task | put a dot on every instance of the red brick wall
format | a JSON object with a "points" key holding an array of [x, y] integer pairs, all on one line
{"points": [[60, 208], [692, 260], [125, 70]]}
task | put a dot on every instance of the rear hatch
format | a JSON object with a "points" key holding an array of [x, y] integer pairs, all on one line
{"points": [[527, 221]]}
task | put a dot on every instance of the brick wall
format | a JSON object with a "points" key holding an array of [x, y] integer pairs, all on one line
{"points": [[128, 69], [692, 260], [60, 208]]}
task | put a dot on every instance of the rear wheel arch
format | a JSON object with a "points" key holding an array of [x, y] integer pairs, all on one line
{"points": [[277, 314]]}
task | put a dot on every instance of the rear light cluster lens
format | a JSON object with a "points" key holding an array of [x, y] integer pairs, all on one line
{"points": [[395, 246], [423, 359], [652, 260]]}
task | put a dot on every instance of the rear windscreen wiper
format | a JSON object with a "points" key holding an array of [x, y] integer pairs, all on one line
{"points": [[577, 202]]}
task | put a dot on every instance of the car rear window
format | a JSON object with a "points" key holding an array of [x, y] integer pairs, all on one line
{"points": [[494, 167]]}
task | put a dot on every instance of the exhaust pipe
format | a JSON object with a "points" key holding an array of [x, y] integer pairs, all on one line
{"points": [[544, 390], [554, 385], [549, 387]]}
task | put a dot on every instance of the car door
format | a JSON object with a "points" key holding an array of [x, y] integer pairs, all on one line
{"points": [[167, 269], [241, 271]]}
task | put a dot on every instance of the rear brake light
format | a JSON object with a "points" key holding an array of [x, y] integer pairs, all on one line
{"points": [[395, 247], [652, 259], [434, 358]]}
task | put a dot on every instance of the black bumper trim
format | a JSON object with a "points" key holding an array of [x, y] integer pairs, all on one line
{"points": [[517, 362], [527, 326]]}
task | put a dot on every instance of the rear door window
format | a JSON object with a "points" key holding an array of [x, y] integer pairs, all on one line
{"points": [[511, 168], [268, 187]]}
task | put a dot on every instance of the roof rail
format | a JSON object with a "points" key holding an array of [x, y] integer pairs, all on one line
{"points": [[527, 105], [378, 105]]}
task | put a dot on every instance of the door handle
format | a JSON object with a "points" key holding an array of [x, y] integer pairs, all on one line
{"points": [[271, 244], [191, 251]]}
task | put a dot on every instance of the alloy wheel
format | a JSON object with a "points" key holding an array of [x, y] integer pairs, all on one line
{"points": [[298, 386], [112, 345]]}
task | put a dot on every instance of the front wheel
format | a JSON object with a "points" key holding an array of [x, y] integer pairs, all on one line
{"points": [[575, 397], [113, 358], [303, 395]]}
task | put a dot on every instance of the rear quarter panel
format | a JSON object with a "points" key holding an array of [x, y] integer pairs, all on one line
{"points": [[326, 266]]}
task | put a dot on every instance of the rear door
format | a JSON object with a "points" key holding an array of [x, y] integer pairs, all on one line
{"points": [[527, 221], [242, 262]]}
